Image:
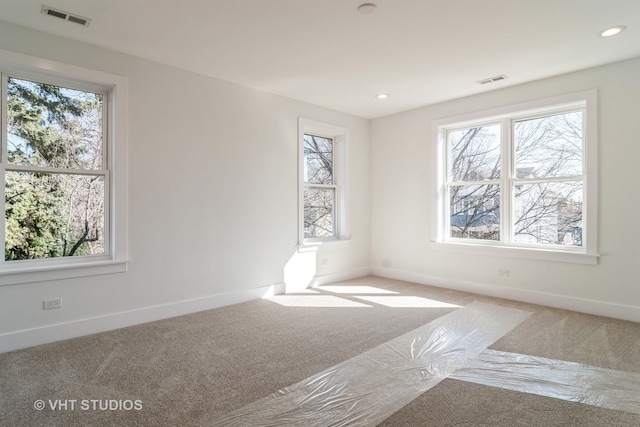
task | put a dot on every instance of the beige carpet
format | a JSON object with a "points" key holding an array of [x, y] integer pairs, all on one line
{"points": [[193, 369]]}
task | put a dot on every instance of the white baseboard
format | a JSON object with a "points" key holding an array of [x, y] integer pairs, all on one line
{"points": [[61, 331], [51, 333], [600, 308], [46, 334]]}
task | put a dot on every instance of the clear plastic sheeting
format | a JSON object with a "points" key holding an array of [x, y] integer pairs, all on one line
{"points": [[370, 387], [575, 382]]}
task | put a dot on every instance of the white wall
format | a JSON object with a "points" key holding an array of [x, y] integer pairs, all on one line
{"points": [[212, 198], [403, 191]]}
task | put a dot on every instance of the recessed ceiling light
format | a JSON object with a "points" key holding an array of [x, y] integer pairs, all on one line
{"points": [[382, 95], [367, 8], [612, 31]]}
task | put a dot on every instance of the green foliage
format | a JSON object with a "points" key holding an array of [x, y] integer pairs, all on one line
{"points": [[49, 121], [33, 220], [49, 214]]}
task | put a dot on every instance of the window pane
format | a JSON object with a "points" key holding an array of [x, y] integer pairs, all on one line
{"points": [[548, 213], [475, 211], [549, 146], [319, 206], [318, 160], [53, 215], [474, 154], [52, 126]]}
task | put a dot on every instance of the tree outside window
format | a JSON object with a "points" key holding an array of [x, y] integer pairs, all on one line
{"points": [[319, 187], [517, 180], [55, 176]]}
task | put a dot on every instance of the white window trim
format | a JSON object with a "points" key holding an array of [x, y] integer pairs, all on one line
{"points": [[340, 136], [115, 261], [588, 253]]}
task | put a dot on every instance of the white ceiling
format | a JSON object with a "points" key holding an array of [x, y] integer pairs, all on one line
{"points": [[326, 53]]}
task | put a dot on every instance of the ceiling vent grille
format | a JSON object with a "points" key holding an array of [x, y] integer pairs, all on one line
{"points": [[492, 79], [60, 14]]}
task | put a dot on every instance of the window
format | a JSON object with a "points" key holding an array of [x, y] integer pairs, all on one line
{"points": [[522, 179], [64, 211], [322, 199]]}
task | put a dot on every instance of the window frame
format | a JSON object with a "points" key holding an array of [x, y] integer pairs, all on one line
{"points": [[508, 116], [339, 136], [333, 186], [114, 168]]}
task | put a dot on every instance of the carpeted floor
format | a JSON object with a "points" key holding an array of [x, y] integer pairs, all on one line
{"points": [[194, 369]]}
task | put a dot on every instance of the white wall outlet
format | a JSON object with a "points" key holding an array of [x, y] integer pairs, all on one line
{"points": [[503, 272], [48, 304]]}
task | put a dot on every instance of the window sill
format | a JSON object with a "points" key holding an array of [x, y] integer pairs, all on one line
{"points": [[321, 245], [17, 276], [517, 252]]}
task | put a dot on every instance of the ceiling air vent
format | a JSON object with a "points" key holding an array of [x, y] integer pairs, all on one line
{"points": [[56, 13], [492, 79]]}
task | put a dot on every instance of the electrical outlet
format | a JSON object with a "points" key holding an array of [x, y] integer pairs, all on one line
{"points": [[503, 272], [48, 304]]}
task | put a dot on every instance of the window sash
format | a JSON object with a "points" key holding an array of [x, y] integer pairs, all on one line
{"points": [[316, 157], [325, 217], [103, 172], [475, 213]]}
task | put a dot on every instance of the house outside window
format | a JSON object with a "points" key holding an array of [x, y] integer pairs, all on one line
{"points": [[521, 179]]}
